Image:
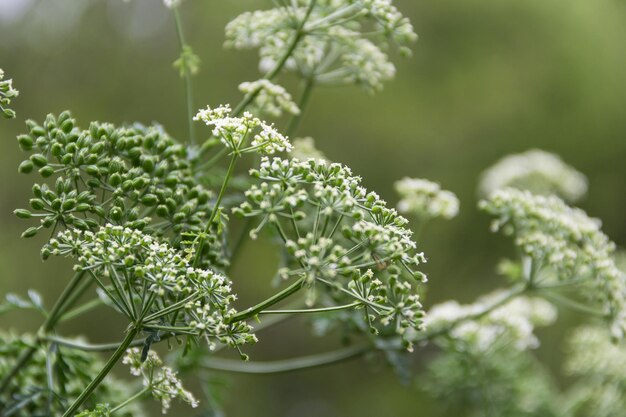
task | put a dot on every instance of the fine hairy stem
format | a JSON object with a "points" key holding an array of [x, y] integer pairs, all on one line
{"points": [[254, 310], [187, 78], [287, 365], [131, 399], [314, 310], [119, 352], [65, 300]]}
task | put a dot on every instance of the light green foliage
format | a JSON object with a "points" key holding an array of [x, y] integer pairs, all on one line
{"points": [[7, 92], [53, 379]]}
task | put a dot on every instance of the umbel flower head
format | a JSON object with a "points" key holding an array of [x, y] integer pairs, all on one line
{"points": [[537, 171], [599, 362], [161, 381], [342, 241], [234, 132], [271, 98], [425, 199], [7, 92], [563, 244], [328, 41], [150, 282], [135, 176], [511, 324]]}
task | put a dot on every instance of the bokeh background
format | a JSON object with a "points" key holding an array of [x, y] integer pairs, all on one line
{"points": [[488, 77]]}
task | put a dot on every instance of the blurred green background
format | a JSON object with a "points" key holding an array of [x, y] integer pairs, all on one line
{"points": [[488, 77]]}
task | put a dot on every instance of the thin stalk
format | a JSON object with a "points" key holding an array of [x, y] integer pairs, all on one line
{"points": [[302, 103], [300, 32], [314, 310], [187, 78], [131, 399], [229, 173], [287, 365], [64, 301], [82, 309], [279, 296], [117, 355]]}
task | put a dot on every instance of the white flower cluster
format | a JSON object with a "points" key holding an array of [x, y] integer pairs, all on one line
{"points": [[565, 244], [151, 282], [271, 98], [7, 92], [600, 363], [425, 199], [234, 132], [513, 322], [330, 42], [161, 381], [537, 171], [336, 232]]}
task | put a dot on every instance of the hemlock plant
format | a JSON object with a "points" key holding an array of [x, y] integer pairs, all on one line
{"points": [[147, 220]]}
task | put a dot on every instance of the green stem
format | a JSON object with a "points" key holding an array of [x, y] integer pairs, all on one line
{"points": [[89, 305], [573, 305], [314, 310], [65, 300], [279, 296], [131, 399], [302, 103], [187, 78], [287, 365], [229, 173], [281, 63], [119, 352]]}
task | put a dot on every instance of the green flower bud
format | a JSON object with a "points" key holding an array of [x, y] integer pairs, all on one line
{"points": [[25, 142], [39, 160], [68, 204], [46, 171], [37, 203], [25, 167], [149, 200], [30, 232], [23, 213]]}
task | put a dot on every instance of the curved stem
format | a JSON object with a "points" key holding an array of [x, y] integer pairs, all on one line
{"points": [[254, 310], [314, 310], [119, 352], [286, 365]]}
